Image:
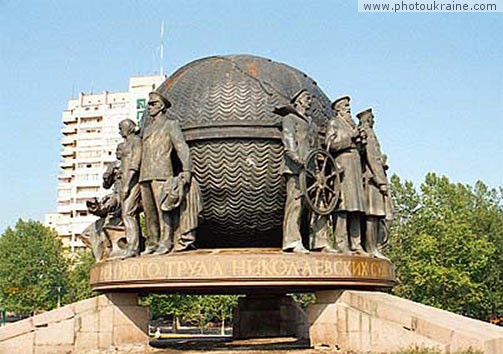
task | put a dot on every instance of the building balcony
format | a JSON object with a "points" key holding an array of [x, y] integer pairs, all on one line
{"points": [[87, 183], [91, 136], [64, 197], [64, 181], [87, 159], [67, 152], [88, 195], [68, 140], [63, 176], [68, 117], [64, 208], [91, 112], [69, 129], [66, 163]]}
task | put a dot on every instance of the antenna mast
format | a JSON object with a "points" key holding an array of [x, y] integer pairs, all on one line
{"points": [[161, 71]]}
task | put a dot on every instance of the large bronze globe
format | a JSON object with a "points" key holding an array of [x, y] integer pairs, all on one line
{"points": [[225, 107]]}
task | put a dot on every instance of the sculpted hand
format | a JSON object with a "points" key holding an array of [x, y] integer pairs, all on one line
{"points": [[295, 158], [124, 193], [383, 189], [185, 176], [363, 135]]}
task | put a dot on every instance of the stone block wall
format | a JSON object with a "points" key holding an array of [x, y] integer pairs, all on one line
{"points": [[100, 322], [362, 321]]}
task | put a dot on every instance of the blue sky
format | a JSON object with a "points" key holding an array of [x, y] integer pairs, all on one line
{"points": [[435, 80]]}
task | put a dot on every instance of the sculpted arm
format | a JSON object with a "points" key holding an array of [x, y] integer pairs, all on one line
{"points": [[136, 150], [335, 140], [181, 147], [288, 137], [374, 162], [133, 166]]}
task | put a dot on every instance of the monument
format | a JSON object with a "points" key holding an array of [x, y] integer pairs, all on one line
{"points": [[262, 171], [251, 181]]}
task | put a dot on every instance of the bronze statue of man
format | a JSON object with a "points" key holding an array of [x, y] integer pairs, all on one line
{"points": [[300, 136], [161, 137], [342, 140], [130, 189], [375, 183]]}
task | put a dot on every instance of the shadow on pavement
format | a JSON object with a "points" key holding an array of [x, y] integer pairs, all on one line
{"points": [[221, 343]]}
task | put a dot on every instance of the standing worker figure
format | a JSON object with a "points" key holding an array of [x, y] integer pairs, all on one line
{"points": [[300, 136], [378, 201], [161, 137], [343, 141], [130, 189]]}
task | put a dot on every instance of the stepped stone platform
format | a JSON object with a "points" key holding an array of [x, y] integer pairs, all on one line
{"points": [[342, 320], [363, 321], [101, 322]]}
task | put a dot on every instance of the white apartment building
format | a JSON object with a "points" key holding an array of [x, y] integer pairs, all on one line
{"points": [[90, 136]]}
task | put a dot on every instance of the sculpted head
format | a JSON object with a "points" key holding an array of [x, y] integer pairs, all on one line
{"points": [[366, 117], [126, 127], [157, 103], [342, 107], [302, 100], [119, 151]]}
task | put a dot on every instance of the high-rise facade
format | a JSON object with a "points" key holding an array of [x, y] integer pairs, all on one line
{"points": [[90, 136]]}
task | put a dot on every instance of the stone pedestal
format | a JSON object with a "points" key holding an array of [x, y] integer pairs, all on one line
{"points": [[242, 271], [271, 315], [362, 321], [101, 322]]}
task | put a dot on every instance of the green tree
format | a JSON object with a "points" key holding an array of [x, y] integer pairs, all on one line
{"points": [[79, 287], [198, 309], [446, 245], [179, 306], [219, 307], [33, 269]]}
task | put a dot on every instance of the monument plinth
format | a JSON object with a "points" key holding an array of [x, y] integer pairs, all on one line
{"points": [[243, 271]]}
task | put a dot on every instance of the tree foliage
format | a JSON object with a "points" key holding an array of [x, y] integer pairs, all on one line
{"points": [[447, 245], [79, 287], [32, 268], [198, 309], [172, 304]]}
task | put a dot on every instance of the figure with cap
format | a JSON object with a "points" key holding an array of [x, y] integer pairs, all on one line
{"points": [[130, 189], [378, 201], [161, 139], [300, 136], [343, 141]]}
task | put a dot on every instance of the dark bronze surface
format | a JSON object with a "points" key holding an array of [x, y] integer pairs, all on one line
{"points": [[225, 108], [247, 153], [320, 182]]}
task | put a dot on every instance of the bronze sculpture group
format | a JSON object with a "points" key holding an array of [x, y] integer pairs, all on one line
{"points": [[341, 205], [360, 206], [145, 178]]}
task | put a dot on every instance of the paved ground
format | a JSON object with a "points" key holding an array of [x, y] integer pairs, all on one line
{"points": [[221, 346]]}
